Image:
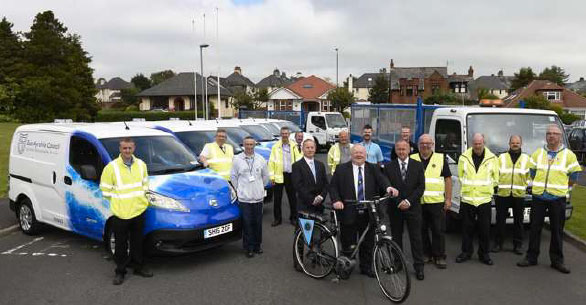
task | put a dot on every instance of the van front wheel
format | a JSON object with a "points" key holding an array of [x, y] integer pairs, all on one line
{"points": [[26, 218]]}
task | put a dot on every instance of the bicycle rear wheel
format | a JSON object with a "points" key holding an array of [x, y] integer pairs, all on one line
{"points": [[391, 270], [319, 257]]}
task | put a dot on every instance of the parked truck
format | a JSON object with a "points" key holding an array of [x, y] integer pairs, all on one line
{"points": [[452, 129]]}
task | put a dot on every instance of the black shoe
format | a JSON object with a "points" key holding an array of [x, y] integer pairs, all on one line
{"points": [[440, 263], [368, 273], [487, 261], [249, 254], [496, 248], [518, 250], [462, 258], [119, 279], [526, 263], [561, 268], [275, 223], [144, 272], [419, 275], [258, 251]]}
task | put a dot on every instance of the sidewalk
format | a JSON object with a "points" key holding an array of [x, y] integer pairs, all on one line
{"points": [[8, 220]]}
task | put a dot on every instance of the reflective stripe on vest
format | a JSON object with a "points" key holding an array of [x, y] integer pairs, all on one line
{"points": [[128, 192], [477, 186], [220, 161], [551, 176], [513, 178], [276, 161], [434, 182], [334, 157]]}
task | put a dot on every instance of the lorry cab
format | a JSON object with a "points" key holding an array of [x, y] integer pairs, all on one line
{"points": [[325, 127], [55, 171]]}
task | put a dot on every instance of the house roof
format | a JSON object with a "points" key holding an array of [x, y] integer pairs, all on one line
{"points": [[414, 72], [183, 84], [492, 82], [362, 81], [273, 81], [455, 78], [579, 86], [116, 83], [310, 88], [570, 99], [237, 79]]}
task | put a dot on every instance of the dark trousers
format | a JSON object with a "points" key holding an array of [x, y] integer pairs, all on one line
{"points": [[251, 225], [434, 220], [412, 217], [502, 213], [557, 217], [349, 234], [476, 218], [125, 230], [278, 195]]}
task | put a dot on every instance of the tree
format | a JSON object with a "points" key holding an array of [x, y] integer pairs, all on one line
{"points": [[379, 93], [128, 96], [554, 74], [447, 98], [56, 80], [539, 101], [261, 95], [242, 99], [484, 93], [159, 77], [523, 78], [141, 82], [340, 98], [11, 63]]}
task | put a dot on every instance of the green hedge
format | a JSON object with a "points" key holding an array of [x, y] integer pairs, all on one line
{"points": [[117, 116]]}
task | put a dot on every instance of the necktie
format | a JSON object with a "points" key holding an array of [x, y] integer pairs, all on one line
{"points": [[403, 170], [360, 193], [312, 167], [299, 146], [223, 149]]}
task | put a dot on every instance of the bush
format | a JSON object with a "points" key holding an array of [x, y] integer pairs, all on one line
{"points": [[131, 108], [7, 119], [117, 116]]}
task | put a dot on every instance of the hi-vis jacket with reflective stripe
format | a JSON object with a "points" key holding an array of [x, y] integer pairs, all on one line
{"points": [[125, 188], [334, 156], [218, 160], [477, 186], [552, 176], [513, 178], [276, 160], [435, 184]]}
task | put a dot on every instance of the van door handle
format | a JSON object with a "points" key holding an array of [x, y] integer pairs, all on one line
{"points": [[67, 180], [54, 177]]}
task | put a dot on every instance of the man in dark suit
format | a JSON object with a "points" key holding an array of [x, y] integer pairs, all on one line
{"points": [[309, 180], [357, 180], [407, 176]]}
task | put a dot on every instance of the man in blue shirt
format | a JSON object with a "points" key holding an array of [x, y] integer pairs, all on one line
{"points": [[373, 153]]}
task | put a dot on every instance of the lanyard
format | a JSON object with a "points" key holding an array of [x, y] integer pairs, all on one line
{"points": [[250, 164]]}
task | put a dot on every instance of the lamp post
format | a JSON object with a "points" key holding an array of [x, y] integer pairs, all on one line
{"points": [[336, 49], [204, 87]]}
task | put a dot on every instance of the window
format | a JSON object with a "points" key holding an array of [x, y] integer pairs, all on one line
{"points": [[319, 121], [82, 153], [308, 86], [448, 138], [284, 105], [402, 90], [409, 90], [326, 105], [226, 104], [435, 88], [553, 95]]}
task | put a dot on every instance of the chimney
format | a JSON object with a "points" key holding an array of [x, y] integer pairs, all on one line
{"points": [[350, 84], [237, 70], [276, 72], [283, 75], [470, 72], [581, 79], [500, 73], [392, 63]]}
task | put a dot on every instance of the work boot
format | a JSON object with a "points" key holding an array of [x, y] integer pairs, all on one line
{"points": [[561, 268], [144, 272], [526, 263], [118, 279], [440, 263], [517, 249]]}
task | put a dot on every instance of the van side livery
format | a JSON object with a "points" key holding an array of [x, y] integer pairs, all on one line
{"points": [[54, 179]]}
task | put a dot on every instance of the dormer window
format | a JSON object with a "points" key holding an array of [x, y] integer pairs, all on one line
{"points": [[552, 95], [308, 86]]}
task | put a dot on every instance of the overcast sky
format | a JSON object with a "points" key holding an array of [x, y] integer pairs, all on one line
{"points": [[126, 37]]}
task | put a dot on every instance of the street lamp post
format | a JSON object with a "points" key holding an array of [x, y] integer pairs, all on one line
{"points": [[203, 81], [336, 67]]}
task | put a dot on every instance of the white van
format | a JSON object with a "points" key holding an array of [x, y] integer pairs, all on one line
{"points": [[54, 179]]}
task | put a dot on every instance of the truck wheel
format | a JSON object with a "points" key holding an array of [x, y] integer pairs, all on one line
{"points": [[26, 218]]}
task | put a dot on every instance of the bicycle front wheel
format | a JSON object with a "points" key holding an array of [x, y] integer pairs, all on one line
{"points": [[391, 270], [318, 258]]}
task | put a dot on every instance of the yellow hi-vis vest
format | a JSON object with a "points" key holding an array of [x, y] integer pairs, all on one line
{"points": [[552, 176], [435, 184], [513, 178], [276, 160], [218, 160], [334, 156], [477, 187], [125, 188]]}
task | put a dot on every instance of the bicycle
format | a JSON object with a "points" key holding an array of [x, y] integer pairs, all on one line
{"points": [[315, 248]]}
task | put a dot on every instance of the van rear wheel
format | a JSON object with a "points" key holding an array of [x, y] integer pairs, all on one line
{"points": [[26, 218]]}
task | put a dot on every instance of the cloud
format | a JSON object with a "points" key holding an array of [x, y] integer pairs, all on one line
{"points": [[129, 37]]}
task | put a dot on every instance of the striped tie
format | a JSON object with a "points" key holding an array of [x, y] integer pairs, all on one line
{"points": [[360, 185], [403, 170]]}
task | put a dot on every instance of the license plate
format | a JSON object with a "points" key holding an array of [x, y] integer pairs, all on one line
{"points": [[217, 230]]}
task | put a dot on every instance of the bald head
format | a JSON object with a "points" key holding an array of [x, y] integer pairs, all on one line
{"points": [[478, 143], [343, 137], [553, 137], [425, 144], [358, 154]]}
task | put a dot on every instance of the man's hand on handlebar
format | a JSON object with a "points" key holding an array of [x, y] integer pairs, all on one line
{"points": [[338, 205], [393, 192]]}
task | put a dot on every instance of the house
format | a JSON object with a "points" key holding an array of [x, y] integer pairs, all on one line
{"points": [[409, 83], [498, 85], [360, 87], [109, 91], [569, 100], [579, 86], [306, 94], [237, 82], [177, 94], [276, 80]]}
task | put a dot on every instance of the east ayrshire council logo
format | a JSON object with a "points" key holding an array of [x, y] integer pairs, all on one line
{"points": [[22, 139]]}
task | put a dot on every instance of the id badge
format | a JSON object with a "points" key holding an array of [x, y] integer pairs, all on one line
{"points": [[251, 179]]}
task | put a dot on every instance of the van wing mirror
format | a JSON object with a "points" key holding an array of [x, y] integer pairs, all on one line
{"points": [[88, 172]]}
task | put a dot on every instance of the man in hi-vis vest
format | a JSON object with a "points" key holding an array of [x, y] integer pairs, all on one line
{"points": [[554, 169], [340, 152], [478, 172], [436, 200], [513, 180], [124, 184], [218, 155]]}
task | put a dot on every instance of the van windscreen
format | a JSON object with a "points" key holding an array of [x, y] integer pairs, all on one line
{"points": [[162, 154]]}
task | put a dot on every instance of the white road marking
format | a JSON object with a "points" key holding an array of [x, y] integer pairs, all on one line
{"points": [[23, 245], [57, 245]]}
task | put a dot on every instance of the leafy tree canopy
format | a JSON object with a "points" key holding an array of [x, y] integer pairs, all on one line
{"points": [[340, 98], [379, 93]]}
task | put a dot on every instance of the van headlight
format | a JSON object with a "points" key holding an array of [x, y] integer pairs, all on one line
{"points": [[165, 202], [233, 195]]}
